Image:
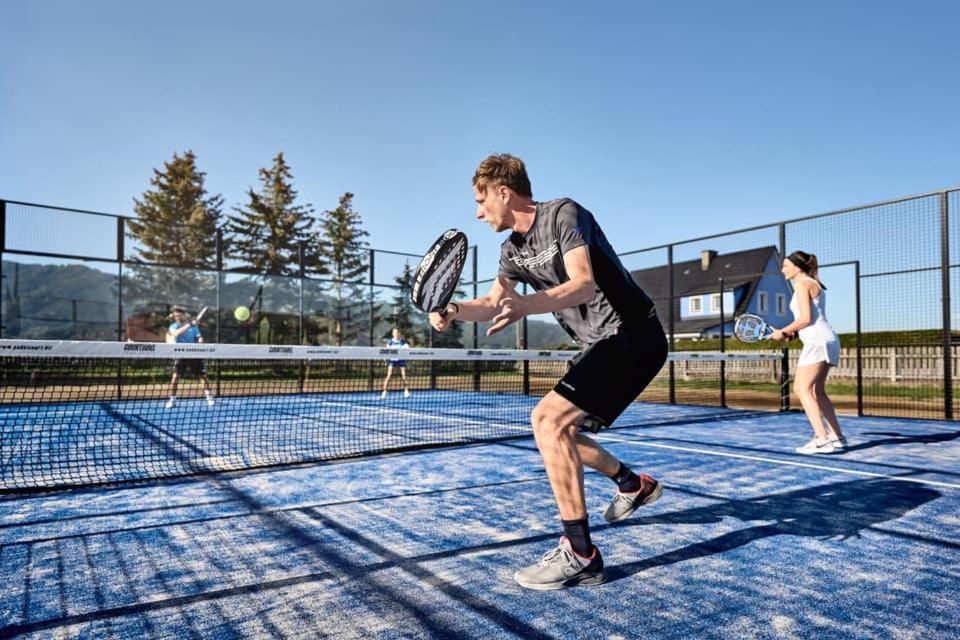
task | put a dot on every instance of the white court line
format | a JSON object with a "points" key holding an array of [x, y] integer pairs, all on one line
{"points": [[790, 463]]}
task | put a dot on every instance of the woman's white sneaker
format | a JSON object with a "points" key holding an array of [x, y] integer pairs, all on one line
{"points": [[815, 446], [839, 445]]}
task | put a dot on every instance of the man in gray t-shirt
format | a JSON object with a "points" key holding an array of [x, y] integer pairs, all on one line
{"points": [[558, 248]]}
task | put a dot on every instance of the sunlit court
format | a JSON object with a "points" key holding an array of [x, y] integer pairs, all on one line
{"points": [[303, 504]]}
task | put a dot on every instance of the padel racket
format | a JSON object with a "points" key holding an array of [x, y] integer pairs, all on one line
{"points": [[438, 274], [751, 328], [200, 315]]}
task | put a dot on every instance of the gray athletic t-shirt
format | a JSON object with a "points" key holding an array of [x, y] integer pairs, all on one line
{"points": [[536, 258]]}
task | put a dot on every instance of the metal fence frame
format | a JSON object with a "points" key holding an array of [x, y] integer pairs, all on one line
{"points": [[781, 228], [943, 196]]}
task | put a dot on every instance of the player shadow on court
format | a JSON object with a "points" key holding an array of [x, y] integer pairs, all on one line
{"points": [[894, 438], [839, 510]]}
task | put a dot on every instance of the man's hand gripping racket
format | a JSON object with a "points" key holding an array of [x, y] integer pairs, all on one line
{"points": [[438, 276]]}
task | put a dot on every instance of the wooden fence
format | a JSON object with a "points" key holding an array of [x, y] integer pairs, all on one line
{"points": [[880, 364]]}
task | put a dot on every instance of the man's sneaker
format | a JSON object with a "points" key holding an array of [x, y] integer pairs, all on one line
{"points": [[406, 393], [624, 504], [383, 396], [170, 403], [209, 401], [561, 568], [816, 446]]}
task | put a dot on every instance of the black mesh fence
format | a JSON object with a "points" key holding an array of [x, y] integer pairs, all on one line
{"points": [[891, 271]]}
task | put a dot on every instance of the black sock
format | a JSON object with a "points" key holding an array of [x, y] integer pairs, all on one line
{"points": [[578, 533], [627, 481]]}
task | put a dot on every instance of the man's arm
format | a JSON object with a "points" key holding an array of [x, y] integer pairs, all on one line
{"points": [[579, 289], [481, 309]]}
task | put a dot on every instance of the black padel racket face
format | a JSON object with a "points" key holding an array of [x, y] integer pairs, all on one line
{"points": [[439, 272], [751, 328]]}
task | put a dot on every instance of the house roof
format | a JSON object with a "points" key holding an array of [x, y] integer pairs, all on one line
{"points": [[738, 269]]}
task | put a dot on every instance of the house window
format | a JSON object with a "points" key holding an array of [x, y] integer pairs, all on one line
{"points": [[715, 303], [762, 305], [696, 305], [781, 304]]}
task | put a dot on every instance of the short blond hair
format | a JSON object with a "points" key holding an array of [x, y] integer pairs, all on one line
{"points": [[503, 169]]}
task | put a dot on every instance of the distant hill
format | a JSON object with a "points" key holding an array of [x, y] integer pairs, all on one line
{"points": [[540, 335], [58, 302], [77, 302]]}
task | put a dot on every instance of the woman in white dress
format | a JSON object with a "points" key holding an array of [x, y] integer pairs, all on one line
{"points": [[821, 350]]}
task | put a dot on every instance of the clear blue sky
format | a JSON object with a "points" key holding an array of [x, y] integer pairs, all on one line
{"points": [[667, 120]]}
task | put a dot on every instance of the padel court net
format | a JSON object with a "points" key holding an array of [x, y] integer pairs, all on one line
{"points": [[83, 413]]}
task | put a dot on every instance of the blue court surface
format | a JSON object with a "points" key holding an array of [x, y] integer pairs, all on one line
{"points": [[748, 541]]}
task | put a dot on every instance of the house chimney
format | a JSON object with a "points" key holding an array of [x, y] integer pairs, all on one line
{"points": [[706, 257]]}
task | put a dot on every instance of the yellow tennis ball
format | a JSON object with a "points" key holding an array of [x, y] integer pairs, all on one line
{"points": [[242, 314]]}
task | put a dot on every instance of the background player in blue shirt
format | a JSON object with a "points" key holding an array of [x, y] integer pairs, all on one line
{"points": [[186, 332], [396, 342]]}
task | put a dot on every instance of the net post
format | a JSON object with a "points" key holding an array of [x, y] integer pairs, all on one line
{"points": [[121, 227], [856, 276], [476, 342], [3, 247], [302, 332], [670, 324], [433, 365], [373, 319], [301, 274], [476, 294], [945, 297], [785, 353], [216, 332], [120, 250], [120, 300], [723, 364], [219, 279]]}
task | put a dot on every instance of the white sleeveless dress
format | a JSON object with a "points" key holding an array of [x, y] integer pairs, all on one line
{"points": [[820, 341]]}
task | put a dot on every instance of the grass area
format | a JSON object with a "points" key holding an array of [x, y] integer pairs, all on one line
{"points": [[840, 389]]}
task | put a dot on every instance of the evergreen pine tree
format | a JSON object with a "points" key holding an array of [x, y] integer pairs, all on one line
{"points": [[176, 221], [341, 249], [266, 233], [176, 225]]}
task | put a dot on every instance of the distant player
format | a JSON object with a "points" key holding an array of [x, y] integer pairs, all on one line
{"points": [[186, 332], [396, 342]]}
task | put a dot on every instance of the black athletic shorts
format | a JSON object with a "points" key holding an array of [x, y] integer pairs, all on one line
{"points": [[195, 368], [609, 374]]}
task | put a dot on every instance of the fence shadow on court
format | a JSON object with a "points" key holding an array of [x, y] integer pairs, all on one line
{"points": [[895, 438], [837, 510]]}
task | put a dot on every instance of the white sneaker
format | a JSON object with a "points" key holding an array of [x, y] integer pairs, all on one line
{"points": [[209, 401], [170, 403], [383, 396], [815, 446], [839, 444], [406, 393]]}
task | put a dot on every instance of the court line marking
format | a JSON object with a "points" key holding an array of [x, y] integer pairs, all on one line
{"points": [[790, 463]]}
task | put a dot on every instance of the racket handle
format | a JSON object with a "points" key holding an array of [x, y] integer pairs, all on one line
{"points": [[444, 313]]}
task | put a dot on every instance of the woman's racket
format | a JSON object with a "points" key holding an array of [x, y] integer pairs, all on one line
{"points": [[438, 274], [751, 328]]}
